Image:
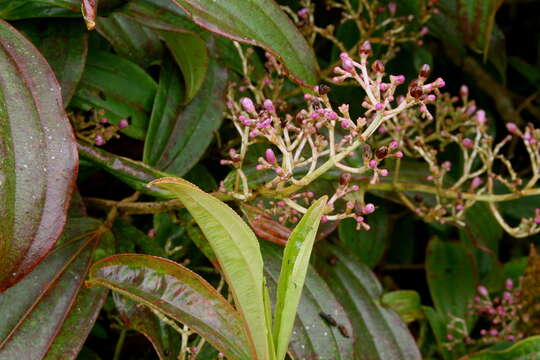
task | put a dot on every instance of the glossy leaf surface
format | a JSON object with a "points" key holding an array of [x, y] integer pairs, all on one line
{"points": [[379, 332], [189, 51], [293, 273], [178, 136], [120, 87], [131, 40], [23, 9], [178, 293], [64, 43], [38, 158], [312, 337], [237, 251], [451, 277], [48, 314], [261, 23]]}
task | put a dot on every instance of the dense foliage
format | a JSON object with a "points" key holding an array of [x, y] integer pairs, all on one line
{"points": [[252, 179]]}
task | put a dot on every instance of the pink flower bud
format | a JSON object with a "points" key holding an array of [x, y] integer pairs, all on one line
{"points": [[324, 218], [493, 332], [393, 144], [124, 123], [253, 133], [99, 140], [368, 209], [470, 110], [459, 207], [345, 124], [259, 167], [509, 284], [447, 165], [439, 83], [270, 156], [379, 106], [482, 290], [247, 104], [467, 143], [383, 172], [392, 7], [104, 120], [424, 31], [372, 164], [152, 233], [307, 97], [383, 86], [355, 188], [303, 13], [464, 91], [507, 296], [398, 154], [400, 79], [346, 62], [331, 115], [450, 337], [476, 182], [481, 117], [268, 105]]}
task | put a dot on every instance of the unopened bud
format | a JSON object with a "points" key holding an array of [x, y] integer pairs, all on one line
{"points": [[247, 104], [511, 127], [344, 179], [270, 156], [381, 152], [463, 91], [416, 92], [377, 66], [268, 105], [323, 89], [392, 7], [99, 140], [124, 123], [365, 48], [481, 117], [368, 209], [482, 290], [424, 71]]}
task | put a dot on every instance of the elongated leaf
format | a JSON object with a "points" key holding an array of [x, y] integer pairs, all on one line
{"points": [[523, 350], [177, 292], [159, 14], [119, 87], [237, 251], [379, 332], [261, 23], [89, 10], [24, 9], [46, 315], [313, 337], [131, 40], [38, 158], [164, 339], [406, 303], [64, 43], [369, 246], [189, 51], [293, 273], [178, 137], [134, 173], [451, 277]]}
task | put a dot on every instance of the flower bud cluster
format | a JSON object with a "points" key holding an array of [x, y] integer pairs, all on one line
{"points": [[95, 127]]}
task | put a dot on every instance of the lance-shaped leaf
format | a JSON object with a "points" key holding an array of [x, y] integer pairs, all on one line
{"points": [[47, 315], [237, 251], [131, 40], [178, 136], [134, 173], [525, 349], [293, 273], [314, 335], [380, 334], [261, 23], [24, 9], [118, 86], [38, 158], [189, 51], [64, 43], [177, 292]]}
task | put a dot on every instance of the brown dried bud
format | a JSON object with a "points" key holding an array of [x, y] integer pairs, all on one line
{"points": [[344, 179], [324, 89], [365, 48], [424, 71], [381, 152], [416, 92], [366, 152], [414, 83], [377, 66]]}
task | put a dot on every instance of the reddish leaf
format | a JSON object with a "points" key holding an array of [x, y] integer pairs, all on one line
{"points": [[89, 11], [38, 157]]}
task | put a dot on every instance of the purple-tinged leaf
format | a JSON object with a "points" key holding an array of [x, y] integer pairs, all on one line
{"points": [[177, 292], [89, 10], [24, 9], [48, 314], [38, 157]]}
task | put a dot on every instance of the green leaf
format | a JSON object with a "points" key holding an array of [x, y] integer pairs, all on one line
{"points": [[23, 9], [127, 235], [237, 251], [528, 71], [178, 136], [177, 292], [159, 14], [118, 86], [370, 245], [380, 334], [64, 43], [38, 158], [189, 51], [451, 277], [131, 40], [313, 337], [134, 173], [165, 340], [524, 350], [261, 23], [293, 273], [47, 315], [406, 303]]}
